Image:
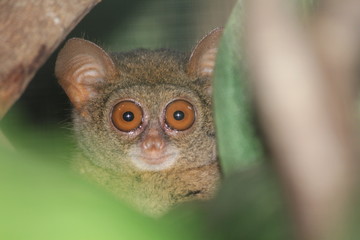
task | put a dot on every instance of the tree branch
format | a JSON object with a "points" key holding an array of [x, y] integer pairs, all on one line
{"points": [[306, 108], [30, 31]]}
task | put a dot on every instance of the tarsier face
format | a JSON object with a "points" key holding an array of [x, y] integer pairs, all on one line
{"points": [[148, 128], [146, 113]]}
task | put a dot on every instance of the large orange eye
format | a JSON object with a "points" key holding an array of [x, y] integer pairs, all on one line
{"points": [[127, 116], [180, 115]]}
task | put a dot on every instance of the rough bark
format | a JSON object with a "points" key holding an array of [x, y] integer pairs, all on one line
{"points": [[30, 31]]}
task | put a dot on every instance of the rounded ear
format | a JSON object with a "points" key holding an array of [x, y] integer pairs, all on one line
{"points": [[81, 66], [202, 59]]}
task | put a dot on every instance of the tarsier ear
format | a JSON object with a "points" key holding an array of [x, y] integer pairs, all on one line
{"points": [[80, 66], [203, 57]]}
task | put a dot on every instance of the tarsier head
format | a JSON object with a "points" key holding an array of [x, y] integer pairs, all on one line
{"points": [[144, 111]]}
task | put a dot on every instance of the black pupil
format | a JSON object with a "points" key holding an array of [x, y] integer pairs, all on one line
{"points": [[128, 116], [179, 115]]}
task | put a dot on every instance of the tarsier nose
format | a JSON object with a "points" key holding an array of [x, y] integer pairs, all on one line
{"points": [[153, 141]]}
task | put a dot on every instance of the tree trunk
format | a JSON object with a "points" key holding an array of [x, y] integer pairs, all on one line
{"points": [[30, 31]]}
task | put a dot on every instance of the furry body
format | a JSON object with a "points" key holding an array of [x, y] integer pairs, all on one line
{"points": [[153, 166], [153, 77]]}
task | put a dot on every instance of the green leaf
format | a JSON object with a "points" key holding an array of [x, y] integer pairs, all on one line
{"points": [[43, 200], [238, 145]]}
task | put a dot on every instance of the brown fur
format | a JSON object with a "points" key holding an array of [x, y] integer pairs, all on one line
{"points": [[152, 78]]}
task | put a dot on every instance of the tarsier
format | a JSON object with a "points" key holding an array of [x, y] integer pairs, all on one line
{"points": [[143, 121]]}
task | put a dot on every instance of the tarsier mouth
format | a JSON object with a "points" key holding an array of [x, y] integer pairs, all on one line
{"points": [[153, 162]]}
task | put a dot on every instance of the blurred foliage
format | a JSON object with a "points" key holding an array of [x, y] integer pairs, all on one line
{"points": [[128, 24], [249, 205], [49, 142], [238, 144]]}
